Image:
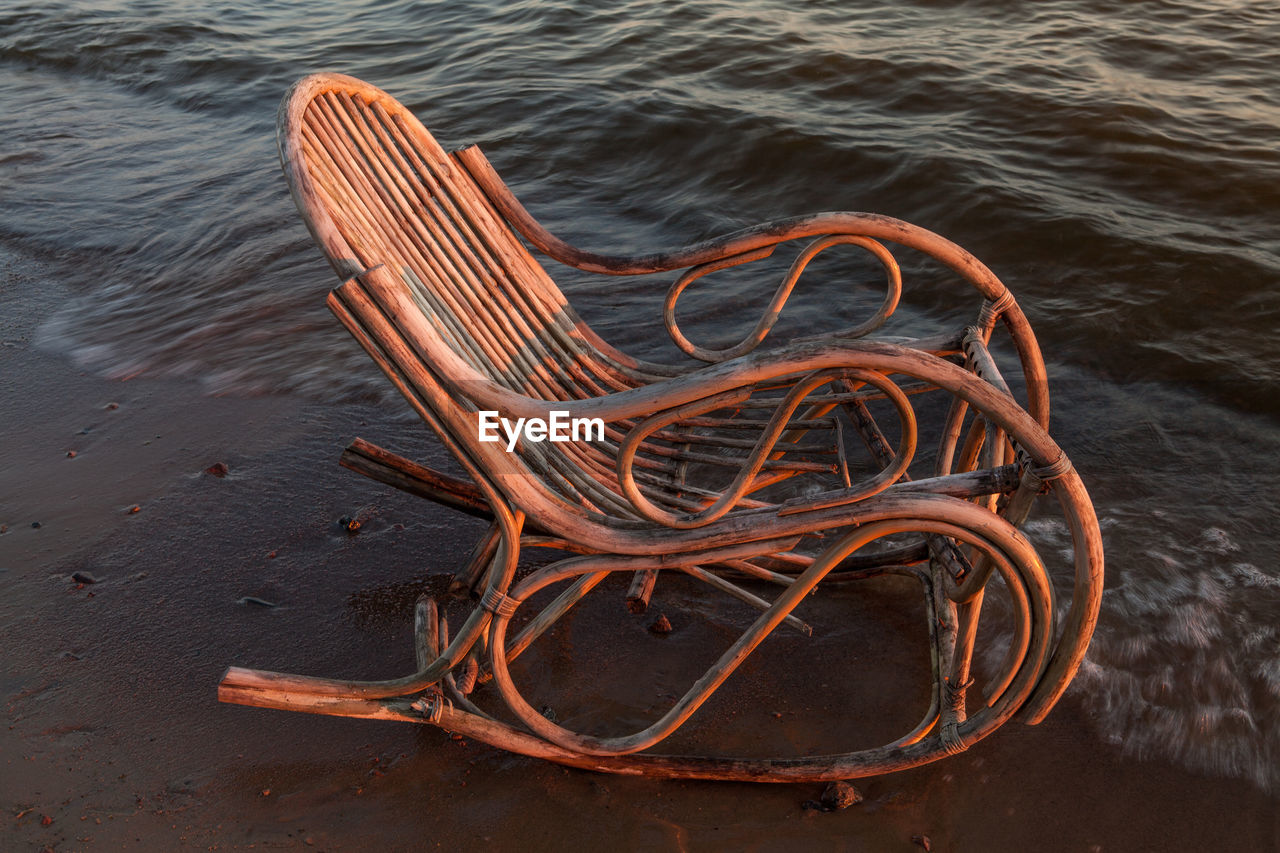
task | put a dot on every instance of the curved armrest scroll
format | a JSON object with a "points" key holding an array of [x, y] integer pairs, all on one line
{"points": [[766, 446], [871, 225], [893, 293]]}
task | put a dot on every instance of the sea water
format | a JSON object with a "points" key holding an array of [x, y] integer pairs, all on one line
{"points": [[1116, 164]]}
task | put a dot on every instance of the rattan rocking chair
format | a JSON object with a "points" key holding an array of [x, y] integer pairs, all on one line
{"points": [[442, 293]]}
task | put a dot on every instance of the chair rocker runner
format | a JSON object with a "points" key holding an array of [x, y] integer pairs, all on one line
{"points": [[692, 470]]}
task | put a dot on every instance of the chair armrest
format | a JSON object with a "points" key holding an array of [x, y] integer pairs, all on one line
{"points": [[732, 380], [869, 225]]}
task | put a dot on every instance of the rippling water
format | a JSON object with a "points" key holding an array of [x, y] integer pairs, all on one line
{"points": [[1116, 165]]}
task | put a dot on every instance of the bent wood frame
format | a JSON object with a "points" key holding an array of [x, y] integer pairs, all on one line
{"points": [[446, 299]]}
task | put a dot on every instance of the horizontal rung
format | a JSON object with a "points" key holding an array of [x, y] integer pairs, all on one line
{"points": [[757, 423], [989, 481], [907, 388], [747, 443]]}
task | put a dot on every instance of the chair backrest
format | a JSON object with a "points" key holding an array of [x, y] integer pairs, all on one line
{"points": [[375, 187], [377, 191]]}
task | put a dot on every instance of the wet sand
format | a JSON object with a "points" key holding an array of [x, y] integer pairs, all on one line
{"points": [[115, 740]]}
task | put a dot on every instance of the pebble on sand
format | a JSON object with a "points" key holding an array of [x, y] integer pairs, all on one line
{"points": [[840, 795], [837, 795], [661, 625], [217, 469]]}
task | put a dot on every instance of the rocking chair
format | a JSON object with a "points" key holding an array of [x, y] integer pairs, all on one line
{"points": [[444, 296]]}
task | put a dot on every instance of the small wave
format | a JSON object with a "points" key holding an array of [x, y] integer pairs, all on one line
{"points": [[1184, 664]]}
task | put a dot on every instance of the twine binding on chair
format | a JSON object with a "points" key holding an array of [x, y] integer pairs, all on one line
{"points": [[991, 310], [949, 731], [499, 603], [432, 707]]}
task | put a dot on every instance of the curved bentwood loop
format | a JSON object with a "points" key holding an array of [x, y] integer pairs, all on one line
{"points": [[771, 474], [893, 292]]}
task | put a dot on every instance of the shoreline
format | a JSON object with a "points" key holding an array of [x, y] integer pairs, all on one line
{"points": [[116, 736]]}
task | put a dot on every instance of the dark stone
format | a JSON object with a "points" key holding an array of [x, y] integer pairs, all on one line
{"points": [[840, 795], [661, 626]]}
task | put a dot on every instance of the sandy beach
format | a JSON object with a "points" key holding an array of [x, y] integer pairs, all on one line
{"points": [[115, 739]]}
